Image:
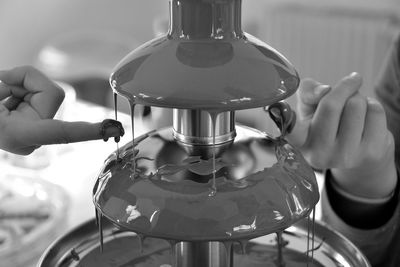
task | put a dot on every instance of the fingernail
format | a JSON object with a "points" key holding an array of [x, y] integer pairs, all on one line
{"points": [[374, 102], [354, 75], [322, 90]]}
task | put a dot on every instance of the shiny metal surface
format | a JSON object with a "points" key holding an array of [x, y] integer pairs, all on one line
{"points": [[196, 127], [200, 254], [263, 185], [76, 246]]}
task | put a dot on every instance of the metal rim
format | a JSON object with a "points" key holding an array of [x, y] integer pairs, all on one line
{"points": [[86, 235]]}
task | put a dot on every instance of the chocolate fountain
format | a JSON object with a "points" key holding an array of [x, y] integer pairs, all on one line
{"points": [[205, 191]]}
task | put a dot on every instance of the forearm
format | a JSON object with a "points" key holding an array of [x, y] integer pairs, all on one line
{"points": [[372, 227], [372, 230], [361, 212]]}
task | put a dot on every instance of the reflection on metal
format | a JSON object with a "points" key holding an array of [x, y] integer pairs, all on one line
{"points": [[80, 247], [205, 183], [194, 127], [256, 177]]}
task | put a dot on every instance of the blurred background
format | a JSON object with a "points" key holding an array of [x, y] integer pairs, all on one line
{"points": [[77, 43], [80, 41]]}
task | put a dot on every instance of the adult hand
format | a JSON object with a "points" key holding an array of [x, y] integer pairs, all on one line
{"points": [[28, 102], [341, 130]]}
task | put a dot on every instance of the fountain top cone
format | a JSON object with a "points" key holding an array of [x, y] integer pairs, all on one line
{"points": [[205, 61]]}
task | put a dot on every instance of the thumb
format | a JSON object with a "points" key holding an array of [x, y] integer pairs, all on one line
{"points": [[308, 96], [46, 132]]}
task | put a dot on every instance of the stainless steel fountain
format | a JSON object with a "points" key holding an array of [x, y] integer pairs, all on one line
{"points": [[205, 183]]}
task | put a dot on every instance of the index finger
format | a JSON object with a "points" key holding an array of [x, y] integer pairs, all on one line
{"points": [[326, 120], [46, 132], [308, 96]]}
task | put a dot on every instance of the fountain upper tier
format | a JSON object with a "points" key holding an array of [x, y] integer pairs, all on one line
{"points": [[205, 61]]}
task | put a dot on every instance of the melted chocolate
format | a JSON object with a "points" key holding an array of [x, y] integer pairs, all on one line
{"points": [[241, 73], [263, 186]]}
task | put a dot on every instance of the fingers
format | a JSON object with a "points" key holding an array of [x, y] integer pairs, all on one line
{"points": [[45, 132], [299, 134], [5, 90], [351, 127], [325, 122], [342, 129], [373, 159], [308, 96], [28, 77], [3, 112], [11, 96], [44, 95], [375, 129], [12, 102]]}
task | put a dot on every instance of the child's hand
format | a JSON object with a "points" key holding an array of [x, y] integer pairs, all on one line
{"points": [[341, 130], [28, 103]]}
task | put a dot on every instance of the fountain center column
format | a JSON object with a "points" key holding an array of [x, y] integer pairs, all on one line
{"points": [[195, 127], [200, 254], [205, 20]]}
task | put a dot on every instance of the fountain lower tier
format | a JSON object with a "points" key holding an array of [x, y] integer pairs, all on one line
{"points": [[80, 247], [159, 187]]}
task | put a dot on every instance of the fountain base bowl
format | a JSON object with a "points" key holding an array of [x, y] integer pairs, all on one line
{"points": [[81, 247]]}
